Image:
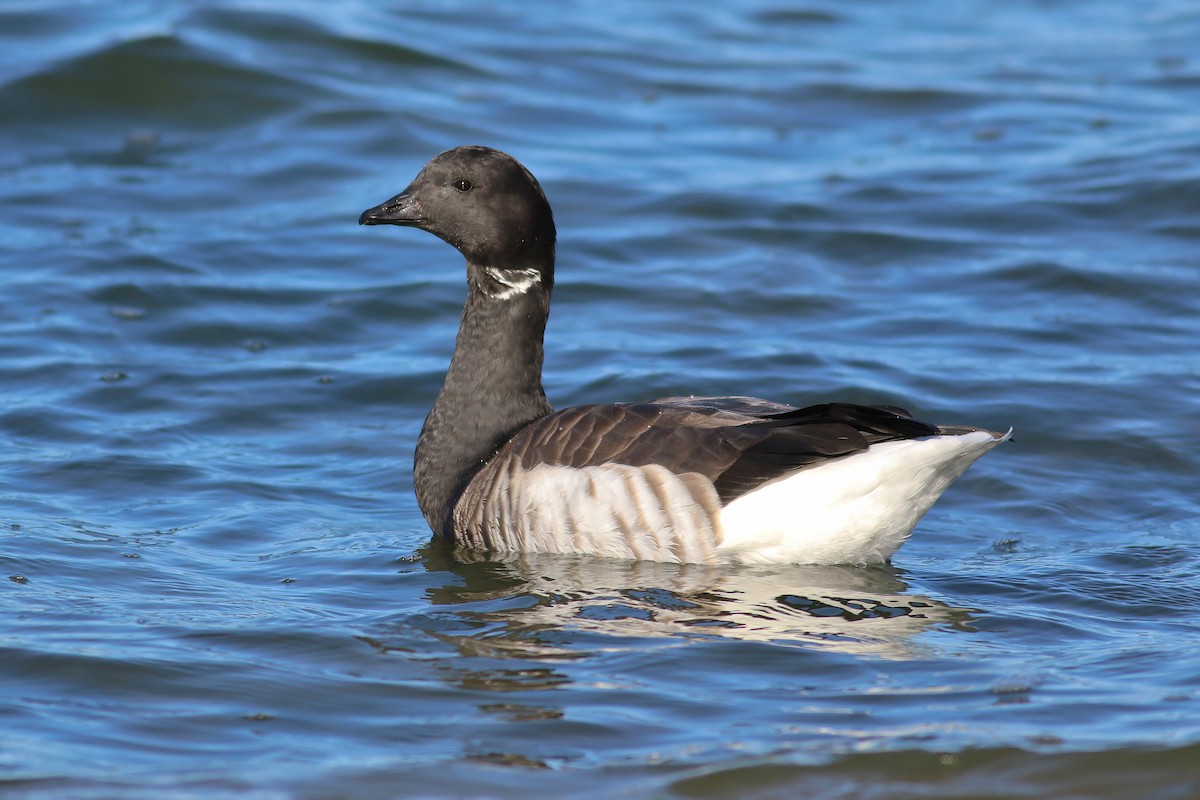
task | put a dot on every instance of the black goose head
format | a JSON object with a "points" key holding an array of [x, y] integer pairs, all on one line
{"points": [[482, 201]]}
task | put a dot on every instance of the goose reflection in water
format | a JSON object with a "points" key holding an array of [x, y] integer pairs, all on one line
{"points": [[854, 610]]}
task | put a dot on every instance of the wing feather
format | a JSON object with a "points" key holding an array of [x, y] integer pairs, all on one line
{"points": [[736, 443]]}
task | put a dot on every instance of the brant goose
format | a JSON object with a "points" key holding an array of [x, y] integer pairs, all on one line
{"points": [[694, 480]]}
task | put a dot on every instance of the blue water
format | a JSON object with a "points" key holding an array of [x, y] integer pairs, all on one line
{"points": [[218, 583]]}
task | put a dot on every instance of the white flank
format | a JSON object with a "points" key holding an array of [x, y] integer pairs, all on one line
{"points": [[645, 513], [517, 281], [853, 510]]}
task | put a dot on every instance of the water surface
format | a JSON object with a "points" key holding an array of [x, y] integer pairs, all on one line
{"points": [[217, 580]]}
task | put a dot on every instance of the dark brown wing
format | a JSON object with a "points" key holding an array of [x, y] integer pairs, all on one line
{"points": [[737, 443]]}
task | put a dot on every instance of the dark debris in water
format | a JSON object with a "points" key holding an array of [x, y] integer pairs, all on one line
{"points": [[509, 760], [514, 680], [520, 712]]}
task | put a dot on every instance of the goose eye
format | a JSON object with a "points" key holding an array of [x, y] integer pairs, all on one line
{"points": [[463, 185]]}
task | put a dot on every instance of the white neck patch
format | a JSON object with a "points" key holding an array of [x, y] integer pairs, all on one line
{"points": [[515, 281]]}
